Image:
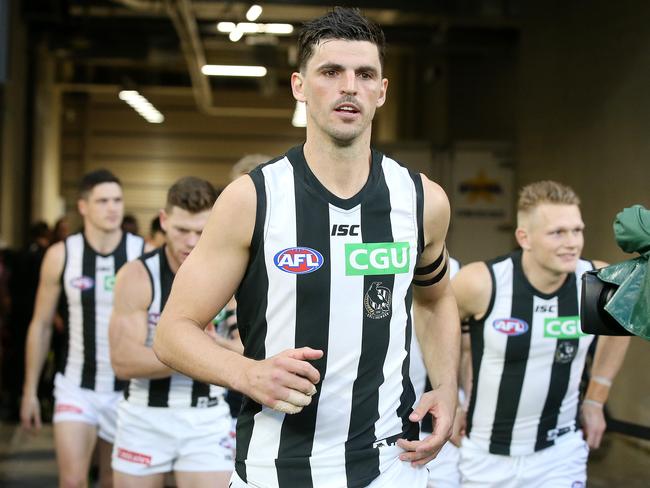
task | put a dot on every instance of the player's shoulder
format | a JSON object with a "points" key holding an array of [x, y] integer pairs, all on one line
{"points": [[54, 259]]}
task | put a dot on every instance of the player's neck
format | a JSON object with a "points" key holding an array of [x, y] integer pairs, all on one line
{"points": [[103, 242], [343, 170], [171, 260], [542, 279]]}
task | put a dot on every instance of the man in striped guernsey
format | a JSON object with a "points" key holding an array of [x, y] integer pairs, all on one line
{"points": [[443, 470], [86, 391], [323, 245], [168, 422], [528, 353]]}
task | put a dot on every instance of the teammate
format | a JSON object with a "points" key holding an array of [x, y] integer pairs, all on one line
{"points": [[86, 392], [168, 422], [528, 353], [443, 470], [322, 247]]}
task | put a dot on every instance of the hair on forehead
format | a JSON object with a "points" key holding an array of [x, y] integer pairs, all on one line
{"points": [[94, 178], [546, 191], [192, 194], [341, 23]]}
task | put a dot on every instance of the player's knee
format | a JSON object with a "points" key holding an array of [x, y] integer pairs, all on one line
{"points": [[73, 480]]}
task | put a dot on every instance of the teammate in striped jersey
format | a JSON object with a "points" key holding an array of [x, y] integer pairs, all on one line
{"points": [[87, 391], [525, 423], [323, 246], [168, 422]]}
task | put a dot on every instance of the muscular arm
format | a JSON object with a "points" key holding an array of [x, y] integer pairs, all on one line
{"points": [[128, 329], [40, 332], [202, 286], [437, 329]]}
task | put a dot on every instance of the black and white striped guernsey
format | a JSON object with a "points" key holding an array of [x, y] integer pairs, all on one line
{"points": [[87, 279], [528, 354], [177, 390], [332, 274]]}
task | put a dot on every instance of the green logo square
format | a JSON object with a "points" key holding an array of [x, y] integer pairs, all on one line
{"points": [[563, 328], [109, 282], [377, 258]]}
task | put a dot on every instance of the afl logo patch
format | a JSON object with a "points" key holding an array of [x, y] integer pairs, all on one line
{"points": [[510, 326], [82, 283], [298, 260]]}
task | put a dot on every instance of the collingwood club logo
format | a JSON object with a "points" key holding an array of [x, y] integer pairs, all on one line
{"points": [[377, 301]]}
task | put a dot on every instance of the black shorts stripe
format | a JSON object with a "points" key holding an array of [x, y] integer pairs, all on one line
{"points": [[251, 320], [516, 357], [560, 371], [362, 460], [89, 368], [312, 329]]}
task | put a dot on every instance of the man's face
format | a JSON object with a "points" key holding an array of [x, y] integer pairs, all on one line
{"points": [[342, 87], [554, 236], [103, 208], [182, 231]]}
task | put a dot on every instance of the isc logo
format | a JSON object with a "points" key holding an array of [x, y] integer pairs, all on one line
{"points": [[345, 230], [298, 260], [563, 328], [510, 326]]}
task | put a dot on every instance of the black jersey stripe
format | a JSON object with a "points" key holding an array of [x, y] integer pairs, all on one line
{"points": [[514, 368], [419, 208], [362, 460], [89, 368], [561, 370], [251, 320], [312, 330], [407, 398], [119, 259], [159, 388]]}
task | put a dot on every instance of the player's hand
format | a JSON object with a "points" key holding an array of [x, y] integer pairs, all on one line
{"points": [[441, 404], [458, 430], [593, 424], [30, 413], [284, 382]]}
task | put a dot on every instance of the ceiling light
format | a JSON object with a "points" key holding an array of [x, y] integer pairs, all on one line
{"points": [[226, 27], [253, 13], [299, 115], [235, 35], [277, 28], [141, 105], [226, 70]]}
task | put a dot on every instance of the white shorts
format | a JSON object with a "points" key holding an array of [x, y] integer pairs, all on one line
{"points": [[563, 465], [398, 474], [75, 404], [443, 470], [154, 440]]}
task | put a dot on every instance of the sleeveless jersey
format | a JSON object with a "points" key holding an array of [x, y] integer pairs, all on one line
{"points": [[87, 279], [418, 370], [332, 274], [176, 390], [528, 354]]}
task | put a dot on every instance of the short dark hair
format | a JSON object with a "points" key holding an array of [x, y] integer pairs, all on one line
{"points": [[192, 194], [341, 23], [155, 226], [94, 178]]}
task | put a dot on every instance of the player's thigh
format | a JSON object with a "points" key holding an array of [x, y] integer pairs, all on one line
{"points": [[480, 469], [443, 470], [213, 479], [74, 443], [125, 480], [105, 471], [564, 464]]}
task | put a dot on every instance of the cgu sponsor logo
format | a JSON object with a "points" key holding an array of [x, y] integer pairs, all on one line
{"points": [[563, 328], [377, 258], [298, 260], [82, 283], [510, 326]]}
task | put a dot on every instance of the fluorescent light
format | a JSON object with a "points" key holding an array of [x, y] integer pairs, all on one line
{"points": [[141, 105], [277, 28], [249, 27], [253, 13], [299, 115], [226, 27], [235, 35], [225, 70]]}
